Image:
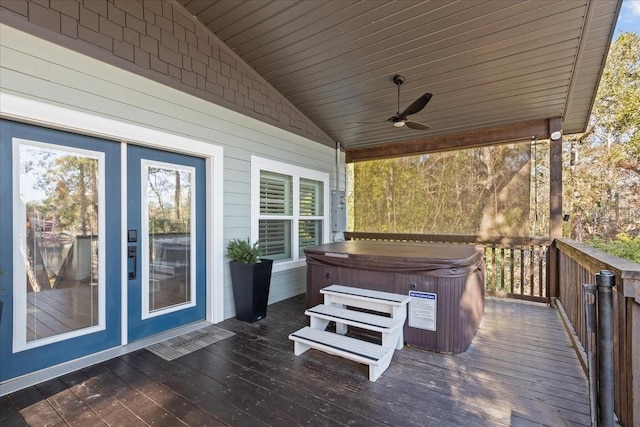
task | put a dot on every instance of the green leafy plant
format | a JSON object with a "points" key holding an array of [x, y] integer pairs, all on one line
{"points": [[623, 246], [243, 251]]}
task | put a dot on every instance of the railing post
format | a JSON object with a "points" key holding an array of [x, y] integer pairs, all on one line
{"points": [[590, 324], [605, 282], [553, 274]]}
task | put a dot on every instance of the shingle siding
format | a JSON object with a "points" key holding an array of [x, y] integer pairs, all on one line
{"points": [[123, 50], [44, 17], [88, 18], [97, 6], [66, 7], [161, 36], [95, 38], [141, 58], [20, 7], [69, 26]]}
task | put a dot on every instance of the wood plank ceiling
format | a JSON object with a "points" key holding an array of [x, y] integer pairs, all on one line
{"points": [[488, 64]]}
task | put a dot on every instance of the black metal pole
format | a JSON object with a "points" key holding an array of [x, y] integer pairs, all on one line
{"points": [[605, 282], [590, 344]]}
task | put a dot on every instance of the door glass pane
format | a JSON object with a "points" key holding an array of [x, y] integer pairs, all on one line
{"points": [[169, 220], [60, 197]]}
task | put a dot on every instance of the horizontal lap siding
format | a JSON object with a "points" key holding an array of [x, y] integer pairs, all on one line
{"points": [[43, 71]]}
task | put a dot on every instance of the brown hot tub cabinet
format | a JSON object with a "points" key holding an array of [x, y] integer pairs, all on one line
{"points": [[447, 277]]}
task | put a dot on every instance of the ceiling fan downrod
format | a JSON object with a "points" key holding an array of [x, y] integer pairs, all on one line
{"points": [[398, 122]]}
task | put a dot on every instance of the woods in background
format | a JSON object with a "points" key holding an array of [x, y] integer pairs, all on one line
{"points": [[478, 191], [602, 173]]}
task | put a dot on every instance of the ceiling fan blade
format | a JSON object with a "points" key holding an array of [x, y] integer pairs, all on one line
{"points": [[417, 125], [417, 105]]}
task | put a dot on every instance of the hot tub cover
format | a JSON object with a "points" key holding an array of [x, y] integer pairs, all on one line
{"points": [[426, 259]]}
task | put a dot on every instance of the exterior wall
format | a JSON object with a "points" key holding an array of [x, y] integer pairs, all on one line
{"points": [[37, 69], [160, 40]]}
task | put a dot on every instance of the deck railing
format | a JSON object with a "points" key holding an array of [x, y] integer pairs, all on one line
{"points": [[516, 266], [577, 265]]}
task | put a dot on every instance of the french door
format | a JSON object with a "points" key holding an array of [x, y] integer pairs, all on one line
{"points": [[165, 240], [60, 247], [63, 236]]}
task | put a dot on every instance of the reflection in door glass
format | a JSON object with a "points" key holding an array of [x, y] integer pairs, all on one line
{"points": [[169, 197], [59, 192]]}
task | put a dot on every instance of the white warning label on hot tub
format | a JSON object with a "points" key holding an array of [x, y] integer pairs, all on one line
{"points": [[422, 310]]}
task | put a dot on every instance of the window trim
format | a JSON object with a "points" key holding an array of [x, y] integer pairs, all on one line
{"points": [[259, 164]]}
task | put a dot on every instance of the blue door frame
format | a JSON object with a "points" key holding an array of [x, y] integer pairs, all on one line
{"points": [[40, 357], [15, 363]]}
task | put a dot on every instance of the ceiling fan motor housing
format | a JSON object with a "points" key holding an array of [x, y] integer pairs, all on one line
{"points": [[398, 121]]}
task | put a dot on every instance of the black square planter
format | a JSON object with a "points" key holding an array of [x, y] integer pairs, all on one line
{"points": [[251, 284]]}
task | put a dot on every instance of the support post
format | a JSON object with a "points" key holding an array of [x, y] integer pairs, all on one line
{"points": [[605, 282], [555, 178], [590, 324], [555, 203]]}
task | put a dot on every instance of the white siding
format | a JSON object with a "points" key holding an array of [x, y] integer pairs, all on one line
{"points": [[36, 69]]}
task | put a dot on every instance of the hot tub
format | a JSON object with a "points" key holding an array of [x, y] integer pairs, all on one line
{"points": [[445, 282]]}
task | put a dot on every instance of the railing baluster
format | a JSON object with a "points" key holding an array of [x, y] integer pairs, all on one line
{"points": [[512, 264], [536, 262], [540, 271], [502, 284], [532, 269], [521, 271], [493, 269]]}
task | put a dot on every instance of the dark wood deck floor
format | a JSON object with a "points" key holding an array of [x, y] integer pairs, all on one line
{"points": [[520, 370]]}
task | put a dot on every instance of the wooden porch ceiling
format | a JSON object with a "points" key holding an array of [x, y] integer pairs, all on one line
{"points": [[489, 64]]}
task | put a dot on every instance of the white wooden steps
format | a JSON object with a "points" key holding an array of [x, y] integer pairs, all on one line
{"points": [[391, 329], [337, 299]]}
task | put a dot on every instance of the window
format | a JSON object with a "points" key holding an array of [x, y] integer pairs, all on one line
{"points": [[289, 210]]}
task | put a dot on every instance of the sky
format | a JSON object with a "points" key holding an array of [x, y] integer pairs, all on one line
{"points": [[629, 19]]}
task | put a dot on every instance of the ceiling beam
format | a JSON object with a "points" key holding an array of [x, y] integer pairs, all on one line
{"points": [[458, 141]]}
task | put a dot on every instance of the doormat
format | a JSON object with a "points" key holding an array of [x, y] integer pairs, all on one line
{"points": [[181, 345]]}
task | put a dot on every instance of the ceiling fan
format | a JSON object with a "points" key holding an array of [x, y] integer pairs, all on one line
{"points": [[401, 119]]}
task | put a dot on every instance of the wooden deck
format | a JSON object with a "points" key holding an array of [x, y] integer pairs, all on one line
{"points": [[520, 370]]}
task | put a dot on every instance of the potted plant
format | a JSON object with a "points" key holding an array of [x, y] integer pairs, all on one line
{"points": [[250, 278]]}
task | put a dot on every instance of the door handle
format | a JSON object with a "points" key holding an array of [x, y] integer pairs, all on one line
{"points": [[132, 258]]}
